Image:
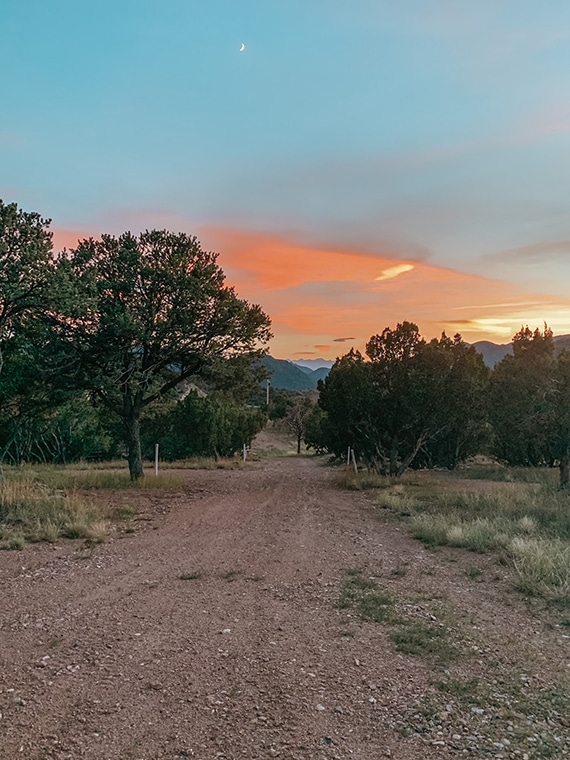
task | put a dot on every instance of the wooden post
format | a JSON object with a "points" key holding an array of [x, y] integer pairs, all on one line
{"points": [[244, 452], [156, 458], [348, 457], [354, 462]]}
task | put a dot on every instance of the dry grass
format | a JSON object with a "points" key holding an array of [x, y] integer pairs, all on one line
{"points": [[29, 511], [527, 525]]}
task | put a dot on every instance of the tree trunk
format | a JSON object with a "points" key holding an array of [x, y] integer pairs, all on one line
{"points": [[565, 470], [299, 437], [394, 457], [132, 430]]}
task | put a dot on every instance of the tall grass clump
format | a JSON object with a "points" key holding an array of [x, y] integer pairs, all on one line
{"points": [[542, 567], [29, 511], [529, 525]]}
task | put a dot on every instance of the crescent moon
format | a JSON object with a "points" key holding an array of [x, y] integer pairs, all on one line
{"points": [[242, 48]]}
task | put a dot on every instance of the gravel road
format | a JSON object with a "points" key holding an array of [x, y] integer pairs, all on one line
{"points": [[213, 630]]}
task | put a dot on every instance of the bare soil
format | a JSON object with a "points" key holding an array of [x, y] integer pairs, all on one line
{"points": [[213, 630]]}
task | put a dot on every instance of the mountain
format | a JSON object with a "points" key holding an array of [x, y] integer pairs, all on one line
{"points": [[493, 353], [286, 375], [313, 363]]}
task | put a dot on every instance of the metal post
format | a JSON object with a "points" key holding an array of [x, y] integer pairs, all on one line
{"points": [[156, 458], [244, 452]]}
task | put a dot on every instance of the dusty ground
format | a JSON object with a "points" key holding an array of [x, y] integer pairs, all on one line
{"points": [[213, 631]]}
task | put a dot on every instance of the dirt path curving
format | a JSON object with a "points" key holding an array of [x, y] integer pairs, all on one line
{"points": [[214, 631]]}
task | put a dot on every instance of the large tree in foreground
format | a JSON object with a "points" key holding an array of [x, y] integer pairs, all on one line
{"points": [[138, 315]]}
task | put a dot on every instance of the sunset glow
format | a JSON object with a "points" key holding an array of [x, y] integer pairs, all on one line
{"points": [[409, 161]]}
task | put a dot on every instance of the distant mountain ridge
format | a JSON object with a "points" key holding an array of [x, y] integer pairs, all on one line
{"points": [[286, 375], [303, 375], [493, 353]]}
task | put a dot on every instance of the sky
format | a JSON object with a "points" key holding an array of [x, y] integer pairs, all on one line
{"points": [[359, 163]]}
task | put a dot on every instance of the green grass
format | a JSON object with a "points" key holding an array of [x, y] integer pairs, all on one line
{"points": [[418, 638], [410, 636], [366, 597]]}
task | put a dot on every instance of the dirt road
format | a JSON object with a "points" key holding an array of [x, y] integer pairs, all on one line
{"points": [[213, 630]]}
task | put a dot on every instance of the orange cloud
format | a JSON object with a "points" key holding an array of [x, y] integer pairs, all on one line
{"points": [[273, 262], [315, 294]]}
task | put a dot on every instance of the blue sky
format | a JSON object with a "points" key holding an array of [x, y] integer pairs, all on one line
{"points": [[428, 135]]}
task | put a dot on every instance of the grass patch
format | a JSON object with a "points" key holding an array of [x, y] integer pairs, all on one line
{"points": [[473, 573], [546, 476], [414, 637], [542, 567], [195, 576], [418, 638], [29, 511], [85, 480], [349, 480], [365, 596], [527, 525]]}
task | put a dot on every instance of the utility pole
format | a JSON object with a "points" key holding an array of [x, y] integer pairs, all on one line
{"points": [[267, 397]]}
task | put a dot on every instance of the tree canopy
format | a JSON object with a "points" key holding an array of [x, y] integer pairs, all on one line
{"points": [[410, 401], [26, 267], [141, 314]]}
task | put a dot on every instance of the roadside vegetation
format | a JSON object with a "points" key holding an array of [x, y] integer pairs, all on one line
{"points": [[31, 511], [49, 502]]}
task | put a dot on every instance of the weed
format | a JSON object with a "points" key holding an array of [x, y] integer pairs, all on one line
{"points": [[195, 576], [231, 575], [371, 602], [417, 638], [472, 572]]}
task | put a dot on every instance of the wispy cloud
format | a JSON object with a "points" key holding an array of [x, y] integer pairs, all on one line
{"points": [[534, 253]]}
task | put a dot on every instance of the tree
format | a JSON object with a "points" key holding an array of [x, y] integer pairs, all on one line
{"points": [[26, 268], [296, 418], [520, 400], [141, 314], [411, 402], [530, 404]]}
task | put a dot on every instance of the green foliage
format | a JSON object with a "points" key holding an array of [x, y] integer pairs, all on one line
{"points": [[530, 404], [412, 403], [519, 408], [26, 267], [139, 315], [198, 426]]}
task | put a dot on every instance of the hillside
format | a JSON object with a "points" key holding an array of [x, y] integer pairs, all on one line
{"points": [[493, 353], [286, 375]]}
